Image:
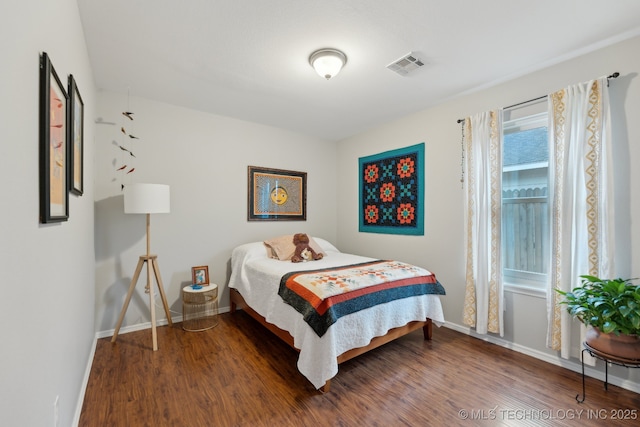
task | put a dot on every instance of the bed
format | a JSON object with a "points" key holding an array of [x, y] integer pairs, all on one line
{"points": [[258, 279]]}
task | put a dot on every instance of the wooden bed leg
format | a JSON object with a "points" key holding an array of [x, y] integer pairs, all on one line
{"points": [[326, 387], [233, 304], [427, 329]]}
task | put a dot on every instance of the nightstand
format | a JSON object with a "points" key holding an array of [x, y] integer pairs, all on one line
{"points": [[199, 308]]}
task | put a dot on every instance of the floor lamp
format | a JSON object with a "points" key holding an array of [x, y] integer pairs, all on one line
{"points": [[146, 199]]}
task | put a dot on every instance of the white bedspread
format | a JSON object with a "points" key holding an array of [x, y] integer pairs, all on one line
{"points": [[257, 278]]}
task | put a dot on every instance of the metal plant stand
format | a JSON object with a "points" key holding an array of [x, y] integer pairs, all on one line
{"points": [[627, 363]]}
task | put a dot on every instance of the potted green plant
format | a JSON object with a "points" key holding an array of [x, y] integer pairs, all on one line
{"points": [[612, 308]]}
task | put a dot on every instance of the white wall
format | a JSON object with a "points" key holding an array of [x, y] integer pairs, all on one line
{"points": [[204, 158], [47, 271], [442, 247]]}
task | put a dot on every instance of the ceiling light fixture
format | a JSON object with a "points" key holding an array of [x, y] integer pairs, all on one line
{"points": [[327, 62]]}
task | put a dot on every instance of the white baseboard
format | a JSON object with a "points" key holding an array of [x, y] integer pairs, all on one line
{"points": [[147, 325], [85, 381], [137, 327], [554, 360]]}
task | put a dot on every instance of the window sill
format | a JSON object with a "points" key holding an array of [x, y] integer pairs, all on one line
{"points": [[525, 290]]}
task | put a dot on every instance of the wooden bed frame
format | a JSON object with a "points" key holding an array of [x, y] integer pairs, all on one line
{"points": [[238, 302]]}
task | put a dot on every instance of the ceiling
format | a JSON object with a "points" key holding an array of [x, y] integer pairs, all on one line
{"points": [[248, 59]]}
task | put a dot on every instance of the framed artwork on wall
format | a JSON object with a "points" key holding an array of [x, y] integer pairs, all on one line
{"points": [[76, 138], [200, 275], [276, 195], [391, 192], [54, 188]]}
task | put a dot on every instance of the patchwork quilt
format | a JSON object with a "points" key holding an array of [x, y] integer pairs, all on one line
{"points": [[323, 296]]}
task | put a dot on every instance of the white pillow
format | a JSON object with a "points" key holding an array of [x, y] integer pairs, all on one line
{"points": [[325, 245]]}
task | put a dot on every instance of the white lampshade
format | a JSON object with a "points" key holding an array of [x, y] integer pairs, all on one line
{"points": [[327, 62], [146, 198]]}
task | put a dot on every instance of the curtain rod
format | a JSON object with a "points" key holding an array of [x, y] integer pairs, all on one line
{"points": [[612, 76]]}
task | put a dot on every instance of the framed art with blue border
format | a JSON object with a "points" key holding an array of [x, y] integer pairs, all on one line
{"points": [[391, 192]]}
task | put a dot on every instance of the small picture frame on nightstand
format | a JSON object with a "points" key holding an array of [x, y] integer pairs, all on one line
{"points": [[200, 275]]}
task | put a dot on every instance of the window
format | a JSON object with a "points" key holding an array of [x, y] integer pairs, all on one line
{"points": [[525, 204]]}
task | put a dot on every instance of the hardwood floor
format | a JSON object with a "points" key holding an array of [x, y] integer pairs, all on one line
{"points": [[239, 374]]}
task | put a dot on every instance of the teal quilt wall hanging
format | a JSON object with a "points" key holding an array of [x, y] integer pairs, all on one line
{"points": [[391, 192]]}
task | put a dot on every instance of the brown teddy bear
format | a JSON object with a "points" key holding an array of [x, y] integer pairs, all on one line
{"points": [[303, 251]]}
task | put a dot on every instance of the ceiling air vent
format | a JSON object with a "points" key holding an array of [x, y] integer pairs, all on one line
{"points": [[405, 64]]}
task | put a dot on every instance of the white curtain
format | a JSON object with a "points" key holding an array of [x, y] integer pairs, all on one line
{"points": [[582, 193], [483, 169]]}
